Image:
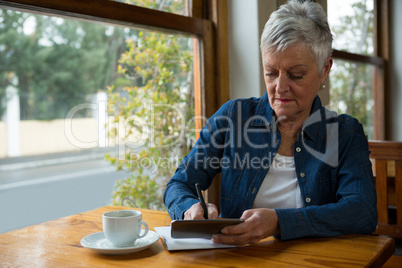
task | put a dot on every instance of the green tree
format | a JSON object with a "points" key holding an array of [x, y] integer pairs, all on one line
{"points": [[154, 97], [58, 63]]}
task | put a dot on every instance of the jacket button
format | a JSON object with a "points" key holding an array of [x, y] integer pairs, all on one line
{"points": [[302, 175], [308, 200], [298, 149]]}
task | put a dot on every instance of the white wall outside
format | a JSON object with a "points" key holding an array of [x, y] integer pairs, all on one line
{"points": [[246, 20], [12, 119]]}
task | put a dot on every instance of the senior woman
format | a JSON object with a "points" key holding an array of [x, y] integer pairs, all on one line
{"points": [[289, 167]]}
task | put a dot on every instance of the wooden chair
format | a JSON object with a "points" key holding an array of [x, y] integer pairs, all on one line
{"points": [[387, 167]]}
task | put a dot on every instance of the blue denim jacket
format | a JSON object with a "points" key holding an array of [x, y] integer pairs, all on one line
{"points": [[331, 160]]}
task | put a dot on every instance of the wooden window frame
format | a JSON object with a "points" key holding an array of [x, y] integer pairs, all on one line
{"points": [[380, 62], [207, 21]]}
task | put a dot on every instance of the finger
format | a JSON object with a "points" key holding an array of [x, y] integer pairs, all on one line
{"points": [[247, 226], [226, 240], [196, 212], [237, 240], [247, 214], [212, 211], [239, 228]]}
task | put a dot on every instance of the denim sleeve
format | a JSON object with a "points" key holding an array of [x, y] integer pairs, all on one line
{"points": [[355, 209], [200, 166]]}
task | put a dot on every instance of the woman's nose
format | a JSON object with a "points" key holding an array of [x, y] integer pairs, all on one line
{"points": [[282, 84]]}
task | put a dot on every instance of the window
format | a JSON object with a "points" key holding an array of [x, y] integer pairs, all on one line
{"points": [[351, 91], [353, 28], [357, 77], [123, 28]]}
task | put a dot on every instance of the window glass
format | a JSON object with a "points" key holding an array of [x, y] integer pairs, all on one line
{"points": [[180, 7], [352, 91], [72, 92], [351, 22]]}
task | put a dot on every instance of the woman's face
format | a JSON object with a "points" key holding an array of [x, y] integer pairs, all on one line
{"points": [[292, 80]]}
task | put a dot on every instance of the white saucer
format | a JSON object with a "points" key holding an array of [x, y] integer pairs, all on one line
{"points": [[101, 245]]}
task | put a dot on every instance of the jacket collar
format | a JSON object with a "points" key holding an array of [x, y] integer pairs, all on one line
{"points": [[264, 113], [314, 123]]}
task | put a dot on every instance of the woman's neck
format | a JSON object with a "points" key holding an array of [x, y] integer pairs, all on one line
{"points": [[290, 128], [292, 124]]}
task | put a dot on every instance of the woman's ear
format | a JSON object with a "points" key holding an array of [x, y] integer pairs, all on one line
{"points": [[326, 70]]}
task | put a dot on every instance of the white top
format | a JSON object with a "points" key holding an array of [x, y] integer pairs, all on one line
{"points": [[280, 188]]}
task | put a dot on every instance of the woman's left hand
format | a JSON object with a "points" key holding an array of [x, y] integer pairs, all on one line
{"points": [[258, 224]]}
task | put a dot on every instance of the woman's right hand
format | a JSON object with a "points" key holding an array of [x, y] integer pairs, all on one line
{"points": [[196, 212]]}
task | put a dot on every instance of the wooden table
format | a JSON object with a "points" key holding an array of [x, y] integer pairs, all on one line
{"points": [[57, 244]]}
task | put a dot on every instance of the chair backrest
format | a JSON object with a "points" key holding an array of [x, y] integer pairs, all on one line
{"points": [[387, 167]]}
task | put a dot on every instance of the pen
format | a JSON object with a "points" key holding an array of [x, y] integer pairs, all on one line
{"points": [[202, 201]]}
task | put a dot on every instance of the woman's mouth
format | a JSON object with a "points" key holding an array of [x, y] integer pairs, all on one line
{"points": [[284, 100]]}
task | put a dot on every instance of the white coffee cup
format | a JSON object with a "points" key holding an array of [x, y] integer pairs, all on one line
{"points": [[123, 227]]}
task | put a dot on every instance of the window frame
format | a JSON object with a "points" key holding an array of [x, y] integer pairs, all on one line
{"points": [[207, 22], [379, 61]]}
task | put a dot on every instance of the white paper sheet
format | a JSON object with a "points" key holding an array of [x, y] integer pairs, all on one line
{"points": [[186, 243]]}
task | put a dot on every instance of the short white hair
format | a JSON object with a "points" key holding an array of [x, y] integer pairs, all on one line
{"points": [[299, 23]]}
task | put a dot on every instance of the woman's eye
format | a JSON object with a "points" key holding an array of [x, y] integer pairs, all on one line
{"points": [[295, 77], [270, 74]]}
